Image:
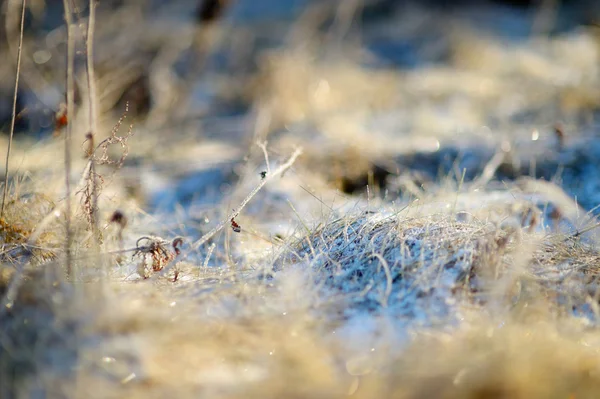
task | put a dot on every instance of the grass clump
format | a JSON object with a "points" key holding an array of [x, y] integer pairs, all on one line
{"points": [[435, 236]]}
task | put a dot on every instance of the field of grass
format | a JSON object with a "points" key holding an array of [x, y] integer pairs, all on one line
{"points": [[300, 199]]}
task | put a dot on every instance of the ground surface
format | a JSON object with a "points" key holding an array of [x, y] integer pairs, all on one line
{"points": [[321, 200]]}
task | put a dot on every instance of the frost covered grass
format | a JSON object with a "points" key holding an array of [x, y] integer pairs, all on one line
{"points": [[389, 305], [436, 237]]}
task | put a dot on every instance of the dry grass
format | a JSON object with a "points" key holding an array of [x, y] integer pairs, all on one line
{"points": [[372, 265]]}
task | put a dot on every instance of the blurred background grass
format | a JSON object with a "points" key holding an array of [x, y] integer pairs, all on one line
{"points": [[426, 244]]}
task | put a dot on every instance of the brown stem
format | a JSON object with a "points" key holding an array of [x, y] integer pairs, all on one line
{"points": [[70, 91], [14, 108]]}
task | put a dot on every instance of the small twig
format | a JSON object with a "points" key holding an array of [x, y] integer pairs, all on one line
{"points": [[585, 230], [100, 153], [93, 126], [70, 90], [14, 107], [280, 170], [243, 204], [263, 147], [85, 176]]}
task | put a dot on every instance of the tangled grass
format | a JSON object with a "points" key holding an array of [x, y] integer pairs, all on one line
{"points": [[393, 258]]}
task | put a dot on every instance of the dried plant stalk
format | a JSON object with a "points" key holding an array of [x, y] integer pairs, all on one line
{"points": [[93, 114], [70, 92], [14, 107]]}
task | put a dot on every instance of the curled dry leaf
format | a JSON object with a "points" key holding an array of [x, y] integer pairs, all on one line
{"points": [[156, 254]]}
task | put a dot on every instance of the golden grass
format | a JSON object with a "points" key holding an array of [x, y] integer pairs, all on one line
{"points": [[458, 289]]}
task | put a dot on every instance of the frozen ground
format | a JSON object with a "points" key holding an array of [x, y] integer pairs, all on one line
{"points": [[321, 200]]}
